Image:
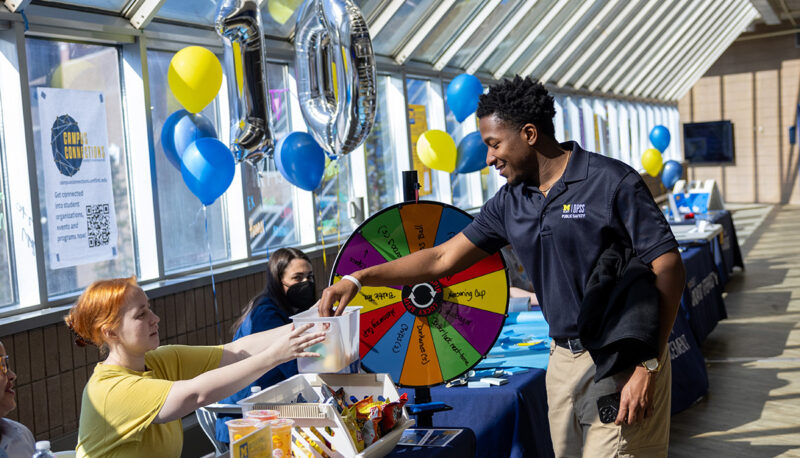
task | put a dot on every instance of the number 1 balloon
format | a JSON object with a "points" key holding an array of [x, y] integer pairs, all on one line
{"points": [[239, 24], [335, 68]]}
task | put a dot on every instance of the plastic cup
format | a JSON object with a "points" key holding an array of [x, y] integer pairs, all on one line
{"points": [[262, 415], [240, 427], [281, 437]]}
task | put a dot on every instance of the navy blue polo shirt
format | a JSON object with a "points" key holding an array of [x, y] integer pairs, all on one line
{"points": [[558, 238]]}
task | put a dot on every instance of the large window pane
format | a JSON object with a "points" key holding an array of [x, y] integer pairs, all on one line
{"points": [[6, 278], [331, 199], [382, 182], [183, 232], [86, 67], [459, 182], [269, 198], [419, 96]]}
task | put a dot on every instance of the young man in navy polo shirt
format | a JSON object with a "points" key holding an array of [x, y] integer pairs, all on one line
{"points": [[562, 206]]}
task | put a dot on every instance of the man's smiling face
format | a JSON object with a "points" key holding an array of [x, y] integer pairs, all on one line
{"points": [[509, 149]]}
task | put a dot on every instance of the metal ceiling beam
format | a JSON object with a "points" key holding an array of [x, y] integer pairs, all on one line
{"points": [[765, 10], [653, 34], [529, 39], [16, 5], [497, 38], [702, 53], [383, 18], [610, 30], [703, 64], [556, 39], [591, 28], [466, 34], [667, 45], [602, 62], [423, 31], [685, 51], [141, 12]]}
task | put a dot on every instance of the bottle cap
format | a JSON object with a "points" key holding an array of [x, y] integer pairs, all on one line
{"points": [[43, 445]]}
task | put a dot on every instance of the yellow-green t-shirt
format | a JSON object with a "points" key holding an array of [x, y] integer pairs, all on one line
{"points": [[119, 404]]}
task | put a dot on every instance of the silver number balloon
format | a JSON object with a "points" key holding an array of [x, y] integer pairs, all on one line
{"points": [[239, 24], [335, 69]]}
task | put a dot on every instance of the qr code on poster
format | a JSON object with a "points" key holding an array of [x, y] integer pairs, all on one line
{"points": [[97, 225]]}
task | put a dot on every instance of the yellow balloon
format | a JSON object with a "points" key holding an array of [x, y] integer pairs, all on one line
{"points": [[195, 76], [652, 161], [437, 150]]}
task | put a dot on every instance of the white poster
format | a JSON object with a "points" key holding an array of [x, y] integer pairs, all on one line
{"points": [[81, 222]]}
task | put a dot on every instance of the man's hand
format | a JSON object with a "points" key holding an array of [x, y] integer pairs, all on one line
{"points": [[636, 400], [342, 292]]}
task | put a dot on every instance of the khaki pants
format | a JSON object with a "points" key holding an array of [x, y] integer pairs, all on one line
{"points": [[575, 425]]}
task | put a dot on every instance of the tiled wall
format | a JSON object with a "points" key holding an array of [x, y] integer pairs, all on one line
{"points": [[52, 371], [756, 85]]}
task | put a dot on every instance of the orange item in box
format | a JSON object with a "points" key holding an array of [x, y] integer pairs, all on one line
{"points": [[281, 437], [240, 427], [262, 415]]}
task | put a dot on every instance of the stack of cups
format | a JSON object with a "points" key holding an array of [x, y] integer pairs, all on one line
{"points": [[240, 427]]}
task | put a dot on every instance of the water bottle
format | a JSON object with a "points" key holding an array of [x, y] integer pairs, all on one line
{"points": [[43, 450]]}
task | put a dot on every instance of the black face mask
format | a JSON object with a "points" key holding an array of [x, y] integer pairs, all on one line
{"points": [[301, 296]]}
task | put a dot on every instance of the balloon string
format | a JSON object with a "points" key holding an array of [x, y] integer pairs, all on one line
{"points": [[213, 285]]}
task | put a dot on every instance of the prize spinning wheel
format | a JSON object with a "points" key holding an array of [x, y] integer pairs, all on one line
{"points": [[432, 332]]}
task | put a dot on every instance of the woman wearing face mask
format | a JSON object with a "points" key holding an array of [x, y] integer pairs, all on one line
{"points": [[290, 289]]}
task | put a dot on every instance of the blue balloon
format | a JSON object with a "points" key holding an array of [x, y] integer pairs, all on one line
{"points": [[471, 153], [659, 137], [671, 173], [180, 130], [462, 95], [207, 167], [300, 160]]}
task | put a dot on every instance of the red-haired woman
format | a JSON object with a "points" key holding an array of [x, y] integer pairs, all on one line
{"points": [[134, 400]]}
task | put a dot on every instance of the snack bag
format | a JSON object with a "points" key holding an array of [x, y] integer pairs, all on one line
{"points": [[362, 412], [392, 413], [349, 420], [338, 397]]}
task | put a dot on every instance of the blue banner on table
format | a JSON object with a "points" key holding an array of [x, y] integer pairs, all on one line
{"points": [[689, 375], [702, 297], [508, 420]]}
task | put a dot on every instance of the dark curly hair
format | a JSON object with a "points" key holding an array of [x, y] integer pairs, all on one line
{"points": [[518, 102]]}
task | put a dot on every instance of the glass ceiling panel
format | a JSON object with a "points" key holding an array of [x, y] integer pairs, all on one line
{"points": [[113, 5], [550, 31], [448, 28], [483, 33], [402, 23], [522, 30], [370, 8], [191, 11]]}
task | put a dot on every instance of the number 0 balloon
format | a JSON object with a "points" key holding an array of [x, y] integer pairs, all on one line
{"points": [[335, 69], [239, 24]]}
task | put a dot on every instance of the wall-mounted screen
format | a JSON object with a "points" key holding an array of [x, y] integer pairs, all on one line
{"points": [[708, 142]]}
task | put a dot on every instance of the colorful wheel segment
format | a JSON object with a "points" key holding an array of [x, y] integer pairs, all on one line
{"points": [[431, 332]]}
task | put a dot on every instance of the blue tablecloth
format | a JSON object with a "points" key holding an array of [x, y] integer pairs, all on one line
{"points": [[730, 250], [702, 297], [689, 375], [462, 446], [508, 420]]}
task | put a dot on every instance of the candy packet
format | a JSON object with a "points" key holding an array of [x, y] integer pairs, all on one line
{"points": [[392, 412]]}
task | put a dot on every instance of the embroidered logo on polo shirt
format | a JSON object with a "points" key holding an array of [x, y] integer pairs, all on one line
{"points": [[573, 211]]}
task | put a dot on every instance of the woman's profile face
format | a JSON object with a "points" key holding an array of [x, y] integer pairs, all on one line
{"points": [[298, 270], [8, 401]]}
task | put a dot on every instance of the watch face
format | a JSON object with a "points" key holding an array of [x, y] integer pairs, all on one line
{"points": [[651, 364]]}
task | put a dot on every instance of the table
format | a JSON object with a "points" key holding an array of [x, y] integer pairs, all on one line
{"points": [[508, 420], [702, 297], [689, 375], [462, 446], [731, 252]]}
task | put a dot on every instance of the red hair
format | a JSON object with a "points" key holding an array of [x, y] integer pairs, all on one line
{"points": [[98, 309]]}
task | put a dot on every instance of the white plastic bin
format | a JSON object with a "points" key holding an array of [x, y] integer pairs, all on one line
{"points": [[340, 347], [283, 398]]}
